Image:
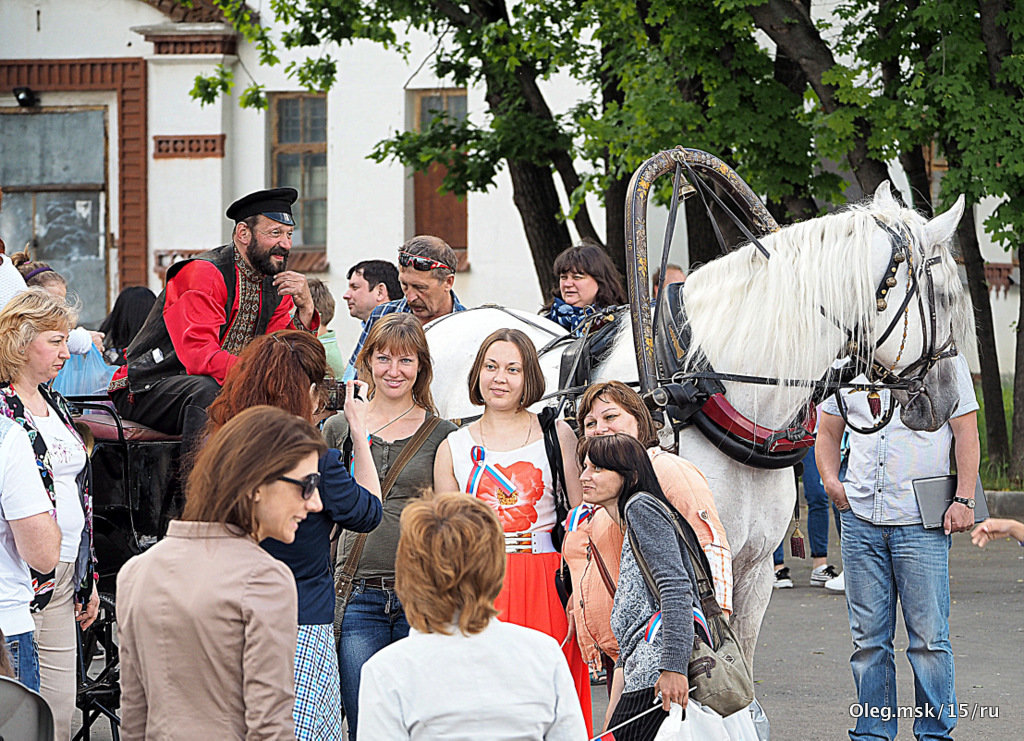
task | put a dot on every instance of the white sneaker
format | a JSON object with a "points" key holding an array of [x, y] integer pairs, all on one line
{"points": [[838, 584], [783, 579], [823, 574]]}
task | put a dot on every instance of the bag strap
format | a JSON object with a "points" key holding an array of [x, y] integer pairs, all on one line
{"points": [[548, 419], [412, 447], [602, 569], [699, 561]]}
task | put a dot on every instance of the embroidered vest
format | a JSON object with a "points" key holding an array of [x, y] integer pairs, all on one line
{"points": [[151, 355]]}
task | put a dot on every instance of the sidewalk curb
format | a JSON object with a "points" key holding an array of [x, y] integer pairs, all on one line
{"points": [[1005, 503]]}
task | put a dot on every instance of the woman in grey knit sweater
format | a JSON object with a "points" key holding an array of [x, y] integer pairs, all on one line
{"points": [[654, 631]]}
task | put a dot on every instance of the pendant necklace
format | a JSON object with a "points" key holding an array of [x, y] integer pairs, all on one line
{"points": [[529, 429], [370, 434]]}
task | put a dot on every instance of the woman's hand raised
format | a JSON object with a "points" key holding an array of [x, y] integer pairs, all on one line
{"points": [[355, 407]]}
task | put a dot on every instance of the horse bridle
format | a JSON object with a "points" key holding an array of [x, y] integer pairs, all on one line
{"points": [[910, 378]]}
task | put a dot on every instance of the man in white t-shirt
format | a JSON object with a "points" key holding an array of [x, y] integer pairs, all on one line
{"points": [[29, 536]]}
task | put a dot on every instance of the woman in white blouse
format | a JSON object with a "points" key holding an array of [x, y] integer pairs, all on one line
{"points": [[477, 677], [34, 327]]}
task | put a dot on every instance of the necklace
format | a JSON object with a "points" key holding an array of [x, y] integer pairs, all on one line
{"points": [[529, 429], [394, 420]]}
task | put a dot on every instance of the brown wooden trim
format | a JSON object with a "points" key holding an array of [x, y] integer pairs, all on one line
{"points": [[126, 77], [223, 44], [998, 276], [188, 147], [197, 11]]}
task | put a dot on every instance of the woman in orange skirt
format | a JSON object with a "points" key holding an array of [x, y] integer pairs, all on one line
{"points": [[502, 460]]}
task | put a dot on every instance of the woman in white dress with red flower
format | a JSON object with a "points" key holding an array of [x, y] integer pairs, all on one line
{"points": [[502, 460]]}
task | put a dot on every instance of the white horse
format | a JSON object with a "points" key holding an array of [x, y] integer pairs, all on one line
{"points": [[790, 317]]}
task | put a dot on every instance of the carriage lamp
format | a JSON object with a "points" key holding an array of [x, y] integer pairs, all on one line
{"points": [[26, 97]]}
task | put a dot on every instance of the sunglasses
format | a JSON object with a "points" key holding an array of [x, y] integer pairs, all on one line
{"points": [[421, 263], [308, 483]]}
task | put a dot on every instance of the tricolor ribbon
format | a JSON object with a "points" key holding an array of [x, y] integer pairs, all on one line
{"points": [[481, 469], [653, 626], [578, 516], [700, 624]]}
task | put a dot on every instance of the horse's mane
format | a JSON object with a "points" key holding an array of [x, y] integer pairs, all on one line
{"points": [[748, 316]]}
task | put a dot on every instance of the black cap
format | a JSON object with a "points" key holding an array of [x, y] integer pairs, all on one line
{"points": [[275, 204]]}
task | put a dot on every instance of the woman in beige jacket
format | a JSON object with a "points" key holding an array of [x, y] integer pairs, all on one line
{"points": [[207, 618]]}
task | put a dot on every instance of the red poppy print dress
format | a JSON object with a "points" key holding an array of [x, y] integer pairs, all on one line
{"points": [[517, 485]]}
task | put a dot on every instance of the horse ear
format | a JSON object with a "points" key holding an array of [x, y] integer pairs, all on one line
{"points": [[883, 197], [940, 229]]}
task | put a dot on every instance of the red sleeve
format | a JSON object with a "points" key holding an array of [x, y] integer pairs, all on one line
{"points": [[282, 318], [194, 314]]}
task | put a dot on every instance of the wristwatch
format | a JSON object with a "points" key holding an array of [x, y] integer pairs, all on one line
{"points": [[969, 503]]}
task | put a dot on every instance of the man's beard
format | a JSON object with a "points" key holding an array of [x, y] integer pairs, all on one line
{"points": [[261, 259]]}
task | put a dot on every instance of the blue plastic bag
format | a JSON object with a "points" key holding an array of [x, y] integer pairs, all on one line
{"points": [[84, 375]]}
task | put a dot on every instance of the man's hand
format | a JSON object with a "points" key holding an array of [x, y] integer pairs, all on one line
{"points": [[290, 283], [958, 517], [87, 616], [837, 493]]}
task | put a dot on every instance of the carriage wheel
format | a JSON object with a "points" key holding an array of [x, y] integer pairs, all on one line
{"points": [[99, 691]]}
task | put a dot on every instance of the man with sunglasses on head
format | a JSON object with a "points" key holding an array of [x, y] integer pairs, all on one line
{"points": [[213, 305], [426, 270]]}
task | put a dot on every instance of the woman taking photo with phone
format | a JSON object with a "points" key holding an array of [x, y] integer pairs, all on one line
{"points": [[654, 630], [205, 617], [402, 433], [503, 460], [286, 369]]}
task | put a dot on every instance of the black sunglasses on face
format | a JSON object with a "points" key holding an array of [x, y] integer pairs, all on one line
{"points": [[420, 263], [307, 483]]}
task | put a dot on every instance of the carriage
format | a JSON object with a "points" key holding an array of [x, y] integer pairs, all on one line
{"points": [[736, 400]]}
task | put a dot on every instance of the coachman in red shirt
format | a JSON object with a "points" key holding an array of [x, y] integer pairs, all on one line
{"points": [[214, 304]]}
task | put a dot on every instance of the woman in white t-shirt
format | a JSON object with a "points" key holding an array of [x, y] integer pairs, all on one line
{"points": [[33, 347]]}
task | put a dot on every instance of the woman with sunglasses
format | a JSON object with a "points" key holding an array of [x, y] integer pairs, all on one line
{"points": [[286, 369], [588, 282], [395, 364], [654, 629], [207, 648]]}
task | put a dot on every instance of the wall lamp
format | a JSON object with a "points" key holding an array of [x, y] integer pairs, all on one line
{"points": [[26, 97]]}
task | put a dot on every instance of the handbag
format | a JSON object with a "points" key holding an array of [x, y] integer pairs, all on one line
{"points": [[718, 674], [345, 578]]}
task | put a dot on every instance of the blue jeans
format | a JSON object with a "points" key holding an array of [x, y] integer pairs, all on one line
{"points": [[885, 564], [24, 658], [817, 513], [373, 619]]}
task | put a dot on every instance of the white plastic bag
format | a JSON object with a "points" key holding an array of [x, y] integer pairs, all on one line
{"points": [[701, 724], [740, 726]]}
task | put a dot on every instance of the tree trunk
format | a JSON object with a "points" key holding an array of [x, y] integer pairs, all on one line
{"points": [[1017, 459], [917, 175], [615, 221], [991, 384], [535, 196], [703, 245], [789, 25]]}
